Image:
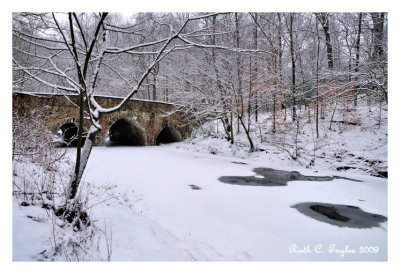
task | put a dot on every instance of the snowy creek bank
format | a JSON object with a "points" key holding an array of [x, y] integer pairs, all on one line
{"points": [[360, 148], [181, 211]]}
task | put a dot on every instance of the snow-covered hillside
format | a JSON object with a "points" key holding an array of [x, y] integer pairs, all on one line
{"points": [[360, 145]]}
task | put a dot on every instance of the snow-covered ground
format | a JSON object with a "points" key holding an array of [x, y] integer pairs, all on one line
{"points": [[156, 215]]}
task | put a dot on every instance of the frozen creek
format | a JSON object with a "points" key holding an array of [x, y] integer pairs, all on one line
{"points": [[180, 193]]}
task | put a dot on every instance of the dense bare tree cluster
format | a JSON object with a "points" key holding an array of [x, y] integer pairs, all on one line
{"points": [[224, 66], [309, 60]]}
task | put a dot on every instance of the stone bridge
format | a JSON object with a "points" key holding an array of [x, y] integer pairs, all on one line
{"points": [[138, 122]]}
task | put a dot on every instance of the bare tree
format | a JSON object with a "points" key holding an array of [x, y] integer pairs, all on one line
{"points": [[88, 52], [293, 64]]}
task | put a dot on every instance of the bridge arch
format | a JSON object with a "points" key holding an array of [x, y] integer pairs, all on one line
{"points": [[126, 132], [69, 133], [56, 125], [168, 135], [66, 130]]}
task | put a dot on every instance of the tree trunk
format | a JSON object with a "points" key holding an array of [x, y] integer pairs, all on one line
{"points": [[86, 150], [222, 93], [317, 84], [255, 46], [76, 178], [226, 128], [357, 53], [284, 108], [154, 87], [280, 52], [232, 139], [166, 89], [239, 70], [247, 131], [148, 91], [292, 55], [378, 24], [274, 114], [333, 114], [250, 95], [324, 20]]}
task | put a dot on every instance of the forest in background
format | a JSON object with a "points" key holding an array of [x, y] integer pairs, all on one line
{"points": [[228, 66]]}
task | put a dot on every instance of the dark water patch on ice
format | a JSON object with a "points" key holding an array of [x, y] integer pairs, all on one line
{"points": [[273, 177], [194, 187], [340, 215], [239, 163], [340, 168], [383, 174]]}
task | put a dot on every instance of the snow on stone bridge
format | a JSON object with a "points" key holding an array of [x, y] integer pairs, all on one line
{"points": [[138, 122]]}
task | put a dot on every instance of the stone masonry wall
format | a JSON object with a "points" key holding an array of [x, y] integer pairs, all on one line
{"points": [[149, 117]]}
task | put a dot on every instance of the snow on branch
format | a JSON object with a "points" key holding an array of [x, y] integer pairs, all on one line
{"points": [[233, 49]]}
